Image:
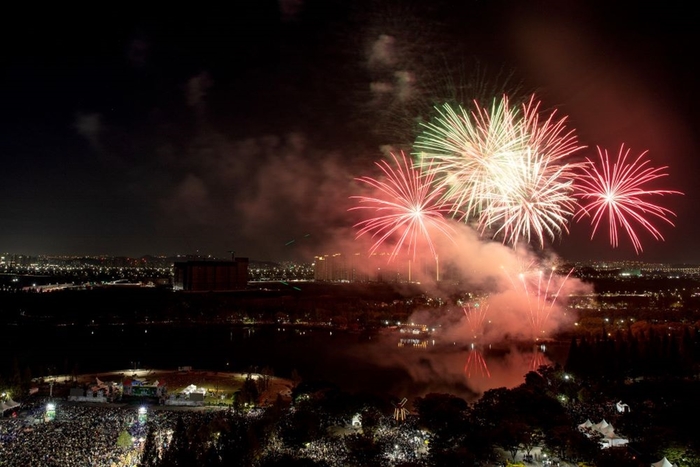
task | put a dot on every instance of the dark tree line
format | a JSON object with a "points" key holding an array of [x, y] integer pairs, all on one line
{"points": [[543, 412]]}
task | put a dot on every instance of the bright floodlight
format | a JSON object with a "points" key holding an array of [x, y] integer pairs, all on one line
{"points": [[142, 410], [50, 406]]}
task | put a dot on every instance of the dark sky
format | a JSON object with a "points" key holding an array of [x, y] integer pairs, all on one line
{"points": [[243, 129]]}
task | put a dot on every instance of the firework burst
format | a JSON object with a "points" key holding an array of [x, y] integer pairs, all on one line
{"points": [[464, 150], [504, 168], [407, 208], [616, 190], [535, 199]]}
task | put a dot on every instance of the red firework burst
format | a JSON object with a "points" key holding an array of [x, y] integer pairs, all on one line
{"points": [[406, 207], [616, 190]]}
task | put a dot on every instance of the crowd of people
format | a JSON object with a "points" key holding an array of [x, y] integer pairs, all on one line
{"points": [[81, 435]]}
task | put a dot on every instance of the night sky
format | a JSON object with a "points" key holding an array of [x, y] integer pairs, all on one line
{"points": [[243, 129]]}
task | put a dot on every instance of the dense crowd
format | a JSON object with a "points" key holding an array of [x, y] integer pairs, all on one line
{"points": [[97, 435], [81, 435], [91, 435]]}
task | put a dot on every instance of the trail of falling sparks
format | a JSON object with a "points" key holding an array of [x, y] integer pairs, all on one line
{"points": [[538, 358], [476, 317], [541, 295], [475, 365]]}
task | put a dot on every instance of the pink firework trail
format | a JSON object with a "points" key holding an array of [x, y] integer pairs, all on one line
{"points": [[617, 191], [476, 317], [538, 357], [551, 136], [475, 365], [542, 295], [406, 208]]}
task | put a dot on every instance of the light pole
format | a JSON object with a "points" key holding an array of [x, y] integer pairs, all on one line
{"points": [[50, 411], [143, 415]]}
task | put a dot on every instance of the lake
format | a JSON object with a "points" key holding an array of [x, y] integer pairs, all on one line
{"points": [[399, 364]]}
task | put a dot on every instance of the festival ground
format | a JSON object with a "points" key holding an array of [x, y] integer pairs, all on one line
{"points": [[220, 386]]}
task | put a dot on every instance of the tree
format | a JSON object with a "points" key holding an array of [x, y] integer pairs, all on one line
{"points": [[237, 446], [14, 383], [249, 392], [452, 452], [296, 377], [441, 412], [26, 381], [573, 359], [567, 442], [617, 458], [267, 374], [363, 450], [371, 419], [180, 453], [509, 436], [301, 426], [150, 456], [681, 455], [124, 440], [288, 460]]}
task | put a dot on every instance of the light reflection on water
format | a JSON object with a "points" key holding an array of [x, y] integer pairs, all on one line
{"points": [[400, 365]]}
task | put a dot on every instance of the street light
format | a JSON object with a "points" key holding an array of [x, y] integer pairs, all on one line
{"points": [[143, 415], [50, 411]]}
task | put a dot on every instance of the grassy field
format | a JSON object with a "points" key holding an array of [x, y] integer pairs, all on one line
{"points": [[220, 386]]}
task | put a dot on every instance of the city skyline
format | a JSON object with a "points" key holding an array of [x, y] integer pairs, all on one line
{"points": [[210, 133]]}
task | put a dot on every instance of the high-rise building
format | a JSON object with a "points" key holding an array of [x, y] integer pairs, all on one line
{"points": [[206, 276], [357, 267]]}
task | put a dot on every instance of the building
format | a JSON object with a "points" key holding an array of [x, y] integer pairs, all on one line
{"points": [[358, 267], [336, 268], [207, 276]]}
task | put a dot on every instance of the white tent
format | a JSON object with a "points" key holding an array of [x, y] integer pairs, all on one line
{"points": [[612, 441], [663, 463], [7, 405], [607, 431], [585, 425], [603, 429], [601, 426]]}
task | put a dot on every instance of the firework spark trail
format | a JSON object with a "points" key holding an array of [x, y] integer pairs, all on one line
{"points": [[475, 317], [538, 358], [462, 149], [407, 208], [540, 297], [534, 199], [534, 193], [475, 365], [504, 167], [548, 300], [550, 137], [618, 191]]}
